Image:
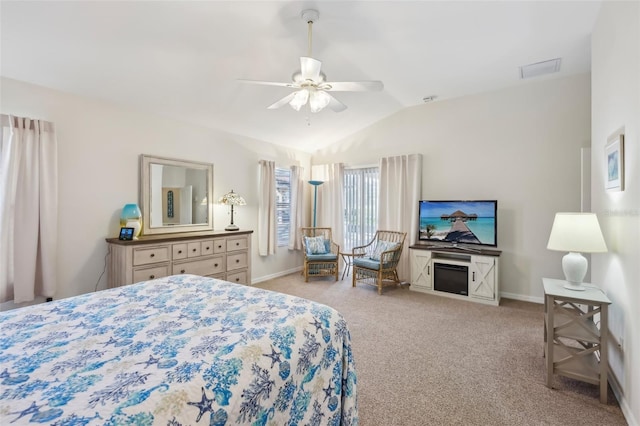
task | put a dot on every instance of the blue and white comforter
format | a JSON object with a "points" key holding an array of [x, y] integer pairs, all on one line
{"points": [[181, 350]]}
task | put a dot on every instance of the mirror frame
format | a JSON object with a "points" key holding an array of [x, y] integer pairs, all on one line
{"points": [[145, 194]]}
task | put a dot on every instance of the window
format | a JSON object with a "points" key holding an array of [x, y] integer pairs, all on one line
{"points": [[360, 206], [283, 205]]}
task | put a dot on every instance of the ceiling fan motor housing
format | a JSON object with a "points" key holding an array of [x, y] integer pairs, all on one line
{"points": [[310, 15]]}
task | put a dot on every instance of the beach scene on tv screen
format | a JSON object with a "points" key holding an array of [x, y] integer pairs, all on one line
{"points": [[471, 222]]}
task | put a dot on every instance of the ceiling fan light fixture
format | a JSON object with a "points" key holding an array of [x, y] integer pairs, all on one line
{"points": [[310, 83], [299, 99], [318, 100]]}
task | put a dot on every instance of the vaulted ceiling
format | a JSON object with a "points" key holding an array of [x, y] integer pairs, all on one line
{"points": [[182, 59]]}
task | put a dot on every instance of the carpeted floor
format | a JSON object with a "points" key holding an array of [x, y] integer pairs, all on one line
{"points": [[429, 360]]}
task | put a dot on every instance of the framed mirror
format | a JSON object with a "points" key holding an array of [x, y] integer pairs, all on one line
{"points": [[176, 195]]}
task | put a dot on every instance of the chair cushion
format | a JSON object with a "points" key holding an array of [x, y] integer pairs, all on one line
{"points": [[381, 247], [328, 257], [317, 245], [364, 262]]}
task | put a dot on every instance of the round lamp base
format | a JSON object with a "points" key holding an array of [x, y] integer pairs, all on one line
{"points": [[574, 266], [574, 286]]}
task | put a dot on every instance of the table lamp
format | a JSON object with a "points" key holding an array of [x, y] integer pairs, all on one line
{"points": [[576, 233], [232, 199]]}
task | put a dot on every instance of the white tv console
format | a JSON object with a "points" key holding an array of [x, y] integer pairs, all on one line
{"points": [[480, 265]]}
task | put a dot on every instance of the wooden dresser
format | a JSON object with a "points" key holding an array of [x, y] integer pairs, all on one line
{"points": [[219, 254]]}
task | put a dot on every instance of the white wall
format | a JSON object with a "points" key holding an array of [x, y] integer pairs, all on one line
{"points": [[99, 145], [616, 104], [521, 146]]}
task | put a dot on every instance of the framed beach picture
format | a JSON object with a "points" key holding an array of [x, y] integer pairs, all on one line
{"points": [[614, 151]]}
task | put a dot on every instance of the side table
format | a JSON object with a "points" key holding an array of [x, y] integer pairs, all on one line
{"points": [[348, 261], [572, 337]]}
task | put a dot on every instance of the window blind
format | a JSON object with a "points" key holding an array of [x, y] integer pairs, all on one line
{"points": [[283, 206], [361, 206]]}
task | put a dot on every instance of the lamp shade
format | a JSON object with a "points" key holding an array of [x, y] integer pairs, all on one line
{"points": [[576, 232], [232, 199]]}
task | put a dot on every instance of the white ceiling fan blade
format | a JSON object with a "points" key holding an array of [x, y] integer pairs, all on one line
{"points": [[336, 105], [353, 86], [282, 102], [310, 68], [270, 83]]}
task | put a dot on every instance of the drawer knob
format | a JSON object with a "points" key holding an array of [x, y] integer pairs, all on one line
{"points": [[237, 260], [153, 254], [237, 244], [215, 264], [182, 271], [151, 277], [194, 250], [179, 251], [207, 248], [219, 246], [237, 279]]}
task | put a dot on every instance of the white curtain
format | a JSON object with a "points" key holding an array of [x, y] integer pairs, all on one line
{"points": [[330, 204], [400, 189], [267, 208], [28, 209], [297, 207]]}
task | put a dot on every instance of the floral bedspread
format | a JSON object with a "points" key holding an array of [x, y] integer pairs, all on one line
{"points": [[181, 350]]}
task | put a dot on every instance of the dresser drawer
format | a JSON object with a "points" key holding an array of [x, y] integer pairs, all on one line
{"points": [[206, 266], [193, 249], [236, 261], [219, 245], [148, 255], [237, 243], [179, 251], [144, 274], [238, 277], [206, 248]]}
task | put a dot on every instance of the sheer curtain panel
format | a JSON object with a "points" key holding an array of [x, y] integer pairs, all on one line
{"points": [[297, 210], [330, 208], [400, 189], [28, 209], [267, 208]]}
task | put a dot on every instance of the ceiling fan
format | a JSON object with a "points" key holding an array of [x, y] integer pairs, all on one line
{"points": [[311, 84]]}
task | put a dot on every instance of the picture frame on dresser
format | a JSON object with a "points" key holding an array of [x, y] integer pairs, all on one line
{"points": [[126, 233]]}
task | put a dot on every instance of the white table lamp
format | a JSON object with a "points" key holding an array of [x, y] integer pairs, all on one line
{"points": [[576, 233]]}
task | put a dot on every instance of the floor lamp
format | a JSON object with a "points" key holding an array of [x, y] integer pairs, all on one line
{"points": [[315, 184]]}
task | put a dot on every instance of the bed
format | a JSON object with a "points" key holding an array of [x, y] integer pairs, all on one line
{"points": [[176, 351]]}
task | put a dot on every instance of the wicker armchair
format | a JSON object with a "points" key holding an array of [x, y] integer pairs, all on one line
{"points": [[375, 264], [320, 253]]}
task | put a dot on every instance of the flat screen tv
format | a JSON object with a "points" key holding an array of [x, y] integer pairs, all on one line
{"points": [[465, 222]]}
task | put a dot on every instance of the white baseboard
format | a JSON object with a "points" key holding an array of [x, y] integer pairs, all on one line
{"points": [[276, 275], [624, 404], [520, 297]]}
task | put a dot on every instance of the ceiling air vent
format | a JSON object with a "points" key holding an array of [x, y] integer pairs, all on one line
{"points": [[540, 68]]}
